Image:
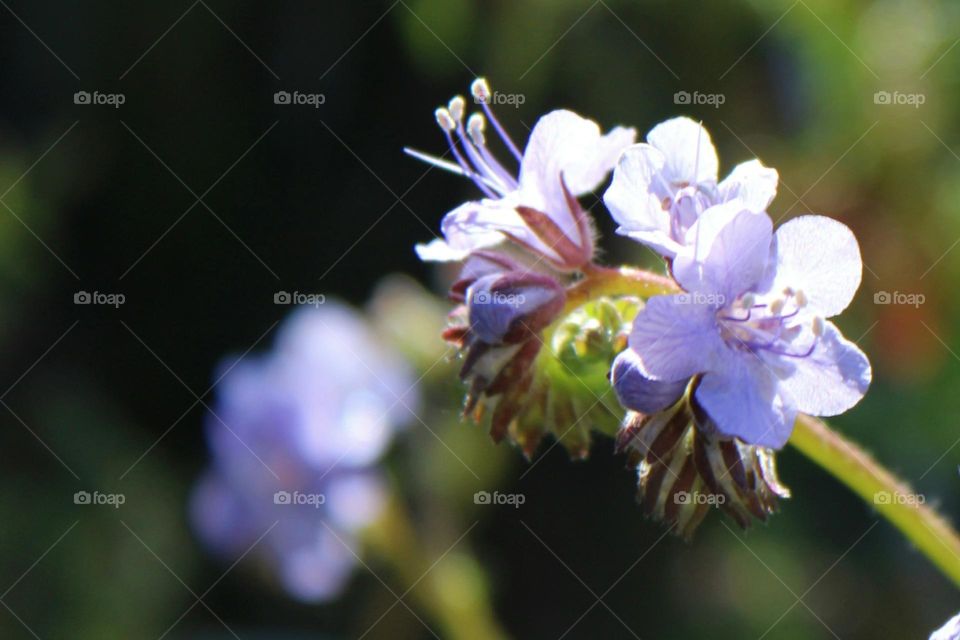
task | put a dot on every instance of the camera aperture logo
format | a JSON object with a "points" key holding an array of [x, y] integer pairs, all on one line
{"points": [[896, 497], [298, 98], [713, 299], [899, 297], [298, 498], [499, 298], [709, 99], [297, 297], [99, 99], [899, 98], [107, 299], [685, 497], [114, 500], [497, 98], [513, 499]]}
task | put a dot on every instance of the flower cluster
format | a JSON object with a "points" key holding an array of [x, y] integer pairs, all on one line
{"points": [[295, 437], [718, 364], [746, 344], [522, 246]]}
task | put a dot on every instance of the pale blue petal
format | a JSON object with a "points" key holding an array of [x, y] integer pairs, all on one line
{"points": [[831, 379], [821, 257], [674, 338], [744, 401], [728, 252], [639, 393]]}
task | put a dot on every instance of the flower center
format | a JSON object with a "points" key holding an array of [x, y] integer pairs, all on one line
{"points": [[771, 327]]}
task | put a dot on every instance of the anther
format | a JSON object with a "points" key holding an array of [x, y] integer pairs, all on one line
{"points": [[445, 120], [480, 90], [456, 107]]}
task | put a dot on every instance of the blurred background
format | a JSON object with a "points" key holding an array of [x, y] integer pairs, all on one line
{"points": [[198, 198]]}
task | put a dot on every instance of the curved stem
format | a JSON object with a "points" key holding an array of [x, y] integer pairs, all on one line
{"points": [[890, 496], [622, 281]]}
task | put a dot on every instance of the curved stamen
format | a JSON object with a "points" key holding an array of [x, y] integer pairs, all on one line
{"points": [[448, 124], [475, 127], [481, 92]]}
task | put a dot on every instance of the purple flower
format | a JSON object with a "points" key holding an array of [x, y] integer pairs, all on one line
{"points": [[660, 188], [751, 326], [949, 631], [295, 436], [566, 156]]}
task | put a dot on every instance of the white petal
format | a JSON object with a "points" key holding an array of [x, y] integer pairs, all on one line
{"points": [[821, 257], [477, 225], [564, 143], [635, 198], [690, 155], [752, 183], [831, 379]]}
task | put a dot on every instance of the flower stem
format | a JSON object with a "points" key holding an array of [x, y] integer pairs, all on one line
{"points": [[890, 496], [449, 587], [622, 281]]}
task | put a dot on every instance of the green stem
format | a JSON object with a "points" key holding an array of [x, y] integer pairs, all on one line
{"points": [[451, 590], [623, 281], [923, 526]]}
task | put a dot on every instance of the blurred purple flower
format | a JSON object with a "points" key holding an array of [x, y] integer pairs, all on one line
{"points": [[751, 326], [949, 631], [566, 156], [295, 437], [660, 188]]}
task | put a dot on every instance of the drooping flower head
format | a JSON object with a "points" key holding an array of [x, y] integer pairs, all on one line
{"points": [[949, 631], [752, 326], [660, 188], [295, 437], [521, 246], [534, 205]]}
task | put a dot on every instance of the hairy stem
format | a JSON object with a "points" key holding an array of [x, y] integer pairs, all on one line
{"points": [[890, 496]]}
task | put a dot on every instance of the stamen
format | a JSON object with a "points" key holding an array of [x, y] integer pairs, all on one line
{"points": [[445, 120], [456, 107], [481, 93], [818, 326], [777, 306], [476, 125], [801, 298], [444, 164], [448, 124], [747, 300]]}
